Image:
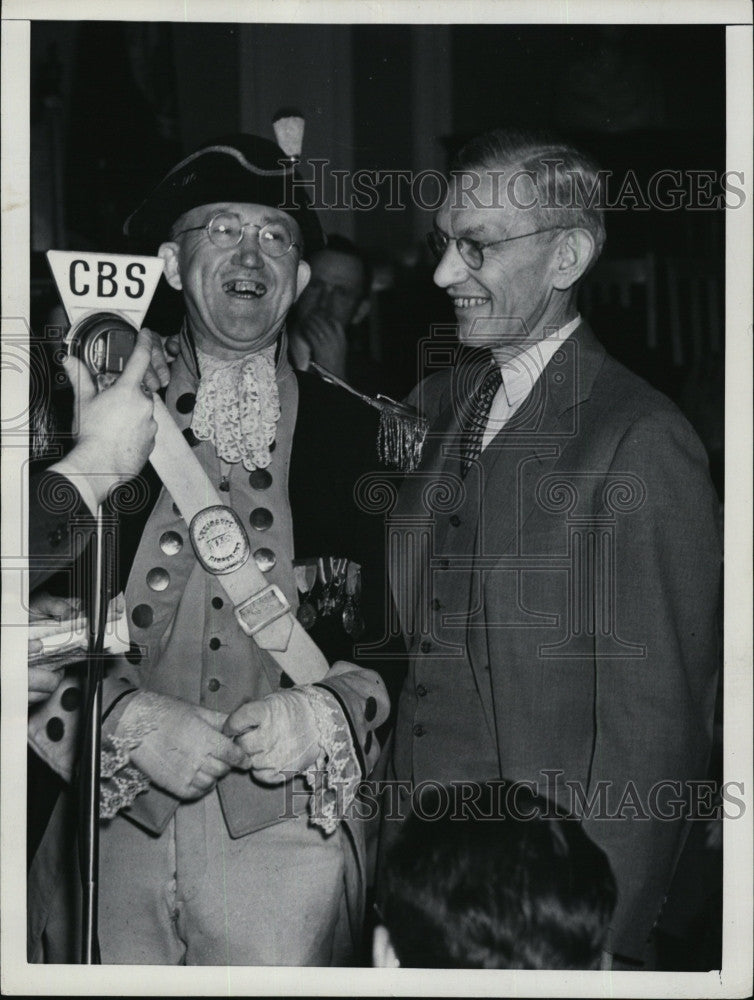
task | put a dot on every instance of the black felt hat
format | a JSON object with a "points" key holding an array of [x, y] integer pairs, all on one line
{"points": [[240, 167]]}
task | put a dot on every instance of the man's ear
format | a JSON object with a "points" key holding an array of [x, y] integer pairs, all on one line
{"points": [[383, 953], [362, 311], [302, 277], [573, 257], [170, 253]]}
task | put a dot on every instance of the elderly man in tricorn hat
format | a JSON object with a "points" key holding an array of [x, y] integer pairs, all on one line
{"points": [[224, 859]]}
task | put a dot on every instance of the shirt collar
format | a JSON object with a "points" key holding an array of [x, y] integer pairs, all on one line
{"points": [[521, 373]]}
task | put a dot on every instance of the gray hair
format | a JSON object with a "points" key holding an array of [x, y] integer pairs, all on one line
{"points": [[569, 185]]}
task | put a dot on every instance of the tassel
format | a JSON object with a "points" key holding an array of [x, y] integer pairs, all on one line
{"points": [[402, 429], [401, 435]]}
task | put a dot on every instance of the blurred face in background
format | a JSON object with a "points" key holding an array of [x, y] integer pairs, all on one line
{"points": [[336, 288]]}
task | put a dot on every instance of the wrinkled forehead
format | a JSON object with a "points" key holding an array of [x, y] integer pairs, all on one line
{"points": [[485, 199], [258, 215]]}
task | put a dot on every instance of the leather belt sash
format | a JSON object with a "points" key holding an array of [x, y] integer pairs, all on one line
{"points": [[222, 547]]}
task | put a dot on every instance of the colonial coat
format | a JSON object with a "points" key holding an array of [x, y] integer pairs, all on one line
{"points": [[60, 525], [185, 639]]}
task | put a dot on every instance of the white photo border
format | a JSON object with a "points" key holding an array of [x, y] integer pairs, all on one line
{"points": [[736, 976]]}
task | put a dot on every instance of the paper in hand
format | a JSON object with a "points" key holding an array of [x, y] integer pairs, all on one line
{"points": [[54, 643]]}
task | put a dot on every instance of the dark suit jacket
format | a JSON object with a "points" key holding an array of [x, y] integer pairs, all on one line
{"points": [[592, 603], [60, 525]]}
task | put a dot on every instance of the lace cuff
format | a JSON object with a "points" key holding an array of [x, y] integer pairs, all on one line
{"points": [[120, 782], [335, 777]]}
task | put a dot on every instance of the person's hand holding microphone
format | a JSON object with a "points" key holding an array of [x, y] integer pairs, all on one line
{"points": [[115, 428]]}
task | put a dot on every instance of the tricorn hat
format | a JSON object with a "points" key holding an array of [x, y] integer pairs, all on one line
{"points": [[239, 167]]}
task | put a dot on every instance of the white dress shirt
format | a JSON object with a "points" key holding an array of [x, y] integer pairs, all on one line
{"points": [[520, 375]]}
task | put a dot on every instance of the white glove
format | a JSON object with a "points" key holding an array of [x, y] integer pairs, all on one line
{"points": [[181, 747], [279, 734]]}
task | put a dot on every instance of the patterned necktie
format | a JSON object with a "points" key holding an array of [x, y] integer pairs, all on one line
{"points": [[475, 425]]}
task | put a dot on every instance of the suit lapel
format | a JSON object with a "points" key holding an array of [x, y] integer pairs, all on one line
{"points": [[531, 442], [535, 439]]}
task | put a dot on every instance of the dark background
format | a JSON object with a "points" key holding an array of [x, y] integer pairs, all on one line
{"points": [[115, 104]]}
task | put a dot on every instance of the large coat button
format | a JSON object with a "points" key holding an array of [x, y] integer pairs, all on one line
{"points": [[186, 402], [71, 699], [171, 543], [158, 579], [142, 616], [261, 518], [265, 559], [260, 479], [55, 729]]}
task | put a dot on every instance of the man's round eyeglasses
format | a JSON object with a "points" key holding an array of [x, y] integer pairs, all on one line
{"points": [[472, 251], [226, 231]]}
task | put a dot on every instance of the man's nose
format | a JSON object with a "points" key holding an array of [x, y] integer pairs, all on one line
{"points": [[248, 252], [451, 269]]}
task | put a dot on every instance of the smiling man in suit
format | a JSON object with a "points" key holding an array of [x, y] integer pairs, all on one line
{"points": [[562, 625]]}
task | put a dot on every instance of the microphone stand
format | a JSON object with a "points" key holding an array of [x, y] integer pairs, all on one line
{"points": [[100, 586]]}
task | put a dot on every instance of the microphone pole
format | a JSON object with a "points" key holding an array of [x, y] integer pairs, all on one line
{"points": [[103, 329], [100, 586]]}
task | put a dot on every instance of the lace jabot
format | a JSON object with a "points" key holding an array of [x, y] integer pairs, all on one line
{"points": [[238, 407]]}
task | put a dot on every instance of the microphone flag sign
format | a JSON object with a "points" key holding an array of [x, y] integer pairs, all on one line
{"points": [[94, 282]]}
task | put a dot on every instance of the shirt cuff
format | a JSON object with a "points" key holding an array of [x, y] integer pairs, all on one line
{"points": [[335, 778], [80, 481]]}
